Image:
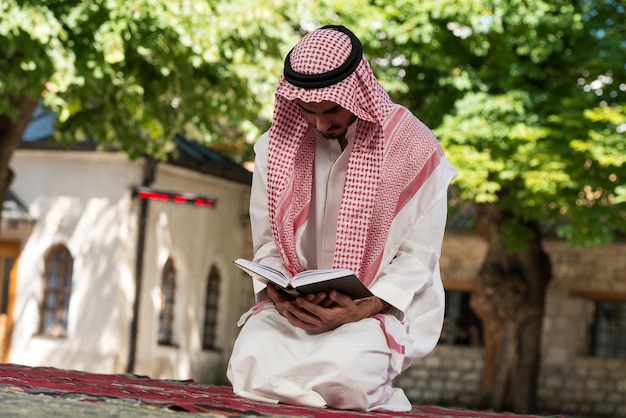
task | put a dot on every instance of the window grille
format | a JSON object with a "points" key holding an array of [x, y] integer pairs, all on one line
{"points": [[57, 289], [211, 309], [461, 325], [168, 299], [609, 330]]}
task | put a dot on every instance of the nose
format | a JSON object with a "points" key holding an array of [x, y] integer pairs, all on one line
{"points": [[322, 123]]}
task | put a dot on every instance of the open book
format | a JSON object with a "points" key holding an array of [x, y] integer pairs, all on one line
{"points": [[309, 281]]}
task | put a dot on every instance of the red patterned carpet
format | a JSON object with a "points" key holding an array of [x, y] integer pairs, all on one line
{"points": [[180, 395]]}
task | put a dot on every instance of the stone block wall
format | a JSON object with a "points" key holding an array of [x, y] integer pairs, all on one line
{"points": [[570, 380], [588, 387], [449, 376]]}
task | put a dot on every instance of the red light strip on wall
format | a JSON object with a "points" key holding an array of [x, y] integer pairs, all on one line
{"points": [[179, 198]]}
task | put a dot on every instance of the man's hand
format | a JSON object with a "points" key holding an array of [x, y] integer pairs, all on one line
{"points": [[320, 312]]}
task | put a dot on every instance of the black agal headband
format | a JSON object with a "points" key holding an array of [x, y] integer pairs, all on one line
{"points": [[318, 81]]}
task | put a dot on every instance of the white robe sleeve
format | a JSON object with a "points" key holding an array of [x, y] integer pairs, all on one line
{"points": [[412, 284], [415, 266]]}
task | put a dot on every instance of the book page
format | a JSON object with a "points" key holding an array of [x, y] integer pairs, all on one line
{"points": [[309, 281], [262, 273]]}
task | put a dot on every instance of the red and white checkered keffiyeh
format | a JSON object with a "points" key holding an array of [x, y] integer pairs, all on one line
{"points": [[393, 155]]}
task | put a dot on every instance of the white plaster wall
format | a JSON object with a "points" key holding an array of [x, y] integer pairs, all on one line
{"points": [[196, 238], [81, 200]]}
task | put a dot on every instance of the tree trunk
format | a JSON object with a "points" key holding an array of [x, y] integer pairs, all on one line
{"points": [[509, 296], [11, 133]]}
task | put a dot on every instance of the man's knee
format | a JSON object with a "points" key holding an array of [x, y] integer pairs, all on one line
{"points": [[356, 394], [359, 381]]}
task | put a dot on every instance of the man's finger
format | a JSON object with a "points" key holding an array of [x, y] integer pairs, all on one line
{"points": [[309, 324], [341, 299], [302, 314], [313, 308]]}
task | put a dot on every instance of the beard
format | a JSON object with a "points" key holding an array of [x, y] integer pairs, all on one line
{"points": [[337, 131], [334, 134]]}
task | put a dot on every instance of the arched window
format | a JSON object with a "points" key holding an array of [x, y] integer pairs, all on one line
{"points": [[57, 289], [211, 309], [168, 299]]}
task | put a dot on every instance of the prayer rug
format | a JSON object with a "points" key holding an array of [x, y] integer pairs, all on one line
{"points": [[179, 395]]}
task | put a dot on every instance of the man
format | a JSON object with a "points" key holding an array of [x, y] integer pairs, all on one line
{"points": [[343, 178]]}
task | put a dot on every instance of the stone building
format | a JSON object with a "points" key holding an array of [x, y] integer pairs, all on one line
{"points": [[583, 369], [112, 266]]}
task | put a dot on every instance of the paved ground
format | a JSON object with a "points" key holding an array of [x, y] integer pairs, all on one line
{"points": [[15, 404]]}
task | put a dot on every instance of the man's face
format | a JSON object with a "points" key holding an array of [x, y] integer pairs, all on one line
{"points": [[330, 119]]}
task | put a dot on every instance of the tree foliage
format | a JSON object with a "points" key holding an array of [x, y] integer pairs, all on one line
{"points": [[131, 73], [528, 98]]}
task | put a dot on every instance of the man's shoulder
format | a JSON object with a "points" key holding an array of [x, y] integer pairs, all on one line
{"points": [[401, 115], [262, 142]]}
